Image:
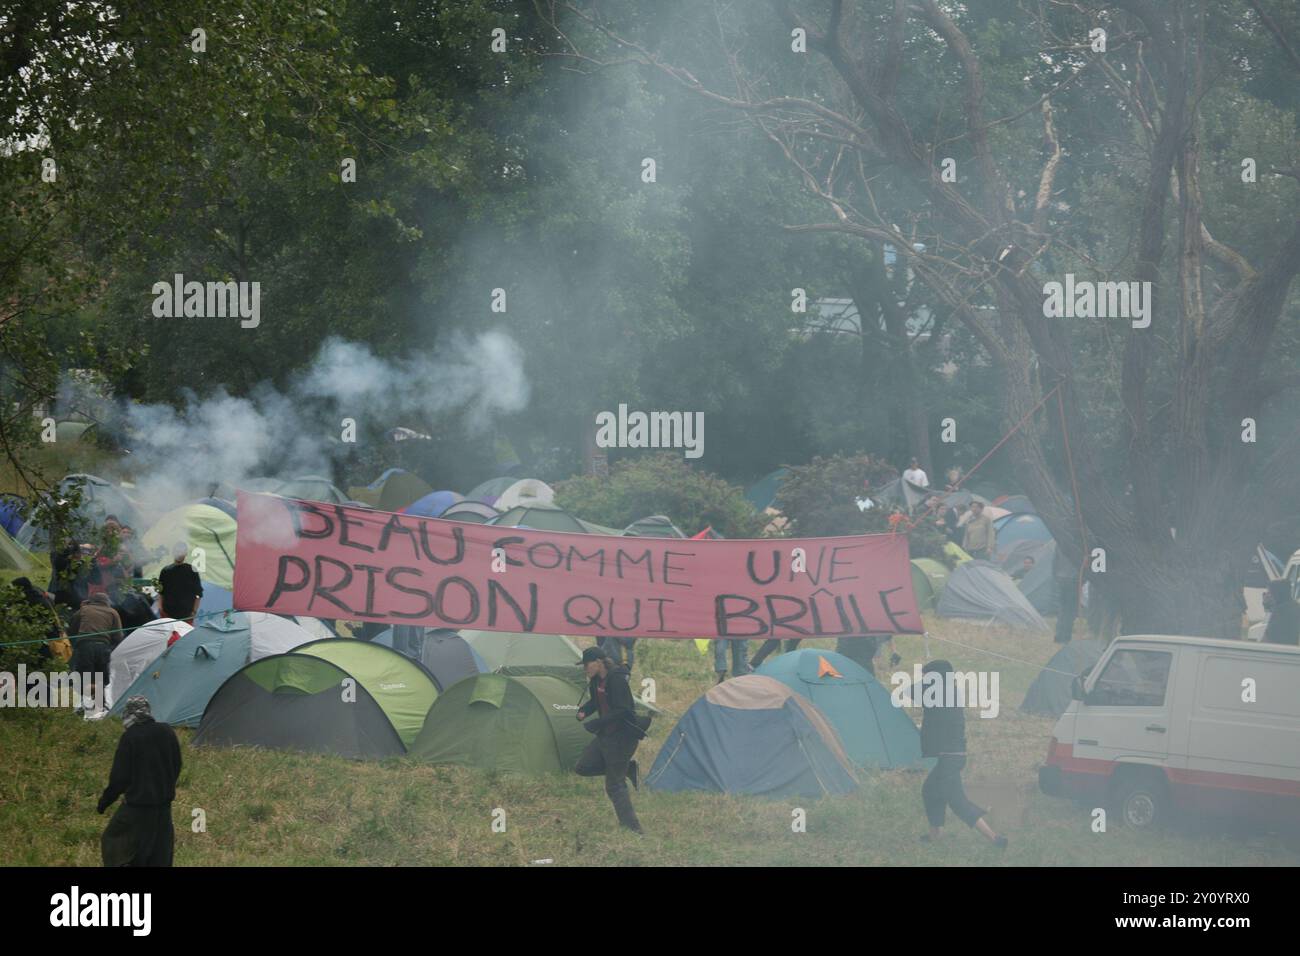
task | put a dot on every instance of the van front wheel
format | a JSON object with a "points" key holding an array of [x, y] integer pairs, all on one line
{"points": [[1141, 800]]}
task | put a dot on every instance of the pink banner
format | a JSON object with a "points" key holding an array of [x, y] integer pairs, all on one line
{"points": [[328, 561]]}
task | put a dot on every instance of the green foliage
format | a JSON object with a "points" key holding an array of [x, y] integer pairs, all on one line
{"points": [[661, 485], [820, 500], [25, 625]]}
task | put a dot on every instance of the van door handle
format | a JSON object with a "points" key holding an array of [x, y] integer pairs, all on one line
{"points": [[1088, 743], [1156, 727]]}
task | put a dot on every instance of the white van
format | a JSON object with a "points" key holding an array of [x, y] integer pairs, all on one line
{"points": [[1187, 724]]}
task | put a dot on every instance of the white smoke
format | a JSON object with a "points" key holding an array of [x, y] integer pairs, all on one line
{"points": [[178, 452]]}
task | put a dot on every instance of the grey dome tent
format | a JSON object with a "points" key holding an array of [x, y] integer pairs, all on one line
{"points": [[979, 590], [1038, 585], [99, 499], [474, 511], [445, 655], [654, 526], [1049, 694], [312, 488], [900, 492]]}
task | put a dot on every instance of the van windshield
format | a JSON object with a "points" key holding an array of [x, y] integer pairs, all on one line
{"points": [[1133, 678]]}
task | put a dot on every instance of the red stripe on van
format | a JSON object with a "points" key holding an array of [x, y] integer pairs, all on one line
{"points": [[1234, 781], [1062, 756]]}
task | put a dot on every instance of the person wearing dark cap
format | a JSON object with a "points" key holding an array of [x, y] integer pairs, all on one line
{"points": [[616, 729], [943, 736], [145, 770]]}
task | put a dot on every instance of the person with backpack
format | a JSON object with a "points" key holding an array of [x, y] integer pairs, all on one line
{"points": [[56, 643], [95, 626], [617, 730]]}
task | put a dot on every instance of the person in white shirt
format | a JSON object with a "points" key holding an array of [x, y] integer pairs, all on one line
{"points": [[916, 476]]}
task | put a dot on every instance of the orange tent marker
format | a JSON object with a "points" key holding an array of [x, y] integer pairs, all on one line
{"points": [[824, 668]]}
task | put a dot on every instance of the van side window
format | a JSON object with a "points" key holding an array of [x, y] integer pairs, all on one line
{"points": [[1133, 679]]}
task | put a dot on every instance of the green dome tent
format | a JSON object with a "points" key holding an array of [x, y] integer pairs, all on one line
{"points": [[489, 491], [474, 511], [298, 701], [515, 723], [392, 491], [13, 556], [68, 432], [403, 687], [202, 527], [510, 649], [928, 580], [653, 526], [312, 488]]}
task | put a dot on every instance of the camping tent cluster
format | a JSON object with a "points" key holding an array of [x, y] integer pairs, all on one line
{"points": [[807, 723], [988, 593]]}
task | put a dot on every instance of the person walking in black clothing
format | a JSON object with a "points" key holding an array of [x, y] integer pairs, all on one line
{"points": [[616, 730], [943, 736], [1284, 615], [145, 770]]}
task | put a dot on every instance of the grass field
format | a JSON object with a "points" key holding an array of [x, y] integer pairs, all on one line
{"points": [[271, 808]]}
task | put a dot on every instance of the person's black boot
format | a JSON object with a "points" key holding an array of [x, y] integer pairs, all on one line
{"points": [[632, 774]]}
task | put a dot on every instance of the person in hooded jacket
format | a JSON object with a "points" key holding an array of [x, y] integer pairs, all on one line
{"points": [[145, 770], [943, 736], [617, 733]]}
